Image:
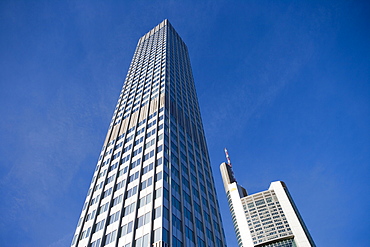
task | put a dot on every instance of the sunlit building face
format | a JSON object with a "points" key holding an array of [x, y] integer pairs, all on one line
{"points": [[153, 183]]}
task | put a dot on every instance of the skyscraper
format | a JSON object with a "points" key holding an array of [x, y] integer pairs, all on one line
{"points": [[265, 219], [153, 183]]}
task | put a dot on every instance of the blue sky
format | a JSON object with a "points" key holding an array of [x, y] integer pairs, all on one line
{"points": [[283, 85]]}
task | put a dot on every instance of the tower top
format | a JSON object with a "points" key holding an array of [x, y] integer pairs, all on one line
{"points": [[227, 157], [164, 23]]}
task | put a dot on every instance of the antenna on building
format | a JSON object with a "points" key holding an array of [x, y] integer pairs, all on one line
{"points": [[227, 157]]}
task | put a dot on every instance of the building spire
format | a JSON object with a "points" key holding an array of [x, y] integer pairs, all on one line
{"points": [[227, 157]]}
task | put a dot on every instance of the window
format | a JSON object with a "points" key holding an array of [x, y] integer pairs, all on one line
{"points": [[159, 162], [120, 185], [74, 239], [149, 155], [131, 192], [124, 159], [95, 200], [107, 192], [96, 243], [135, 163], [112, 167], [166, 194], [141, 123], [195, 192], [176, 204], [102, 174], [127, 148], [85, 234], [189, 234], [209, 234], [157, 234], [79, 222], [199, 224], [103, 208], [185, 183], [118, 145], [110, 237], [175, 186], [88, 232], [194, 178], [138, 141], [157, 212], [110, 179], [117, 200], [158, 176], [141, 130], [152, 123], [144, 219], [145, 200], [149, 143], [176, 222], [175, 172], [113, 218], [116, 155], [120, 137], [90, 215], [98, 226], [188, 214], [133, 177], [126, 229], [147, 168], [146, 183], [201, 243], [122, 171], [143, 241], [158, 193], [150, 133], [129, 209], [137, 151]]}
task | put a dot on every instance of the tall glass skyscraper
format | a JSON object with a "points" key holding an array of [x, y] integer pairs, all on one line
{"points": [[265, 219], [153, 183]]}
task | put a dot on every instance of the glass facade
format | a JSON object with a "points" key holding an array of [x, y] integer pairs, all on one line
{"points": [[153, 183]]}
